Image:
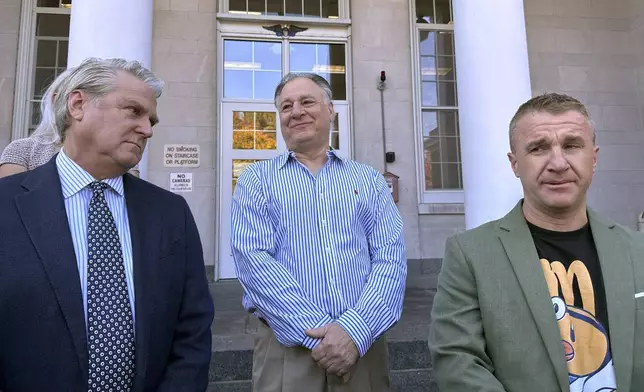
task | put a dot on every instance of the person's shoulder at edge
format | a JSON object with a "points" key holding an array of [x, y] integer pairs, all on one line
{"points": [[478, 237]]}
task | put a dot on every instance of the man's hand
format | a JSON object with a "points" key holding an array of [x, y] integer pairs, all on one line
{"points": [[337, 352]]}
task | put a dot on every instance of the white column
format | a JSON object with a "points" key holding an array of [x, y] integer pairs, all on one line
{"points": [[114, 28], [493, 80]]}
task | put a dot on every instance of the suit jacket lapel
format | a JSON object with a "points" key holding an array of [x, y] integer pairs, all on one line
{"points": [[617, 271], [517, 241], [145, 232], [43, 213]]}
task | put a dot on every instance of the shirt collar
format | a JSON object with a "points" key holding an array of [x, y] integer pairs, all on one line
{"points": [[285, 157], [73, 178]]}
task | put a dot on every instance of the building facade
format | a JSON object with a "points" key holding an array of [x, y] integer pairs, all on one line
{"points": [[456, 70]]}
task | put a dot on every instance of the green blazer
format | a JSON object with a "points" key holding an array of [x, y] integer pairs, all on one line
{"points": [[493, 325]]}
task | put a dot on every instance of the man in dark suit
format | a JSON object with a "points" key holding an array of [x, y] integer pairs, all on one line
{"points": [[102, 282]]}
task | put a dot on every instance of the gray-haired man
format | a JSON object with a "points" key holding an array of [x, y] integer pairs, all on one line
{"points": [[318, 244], [102, 283]]}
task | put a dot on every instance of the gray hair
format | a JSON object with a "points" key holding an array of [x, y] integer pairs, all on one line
{"points": [[94, 76], [315, 78]]}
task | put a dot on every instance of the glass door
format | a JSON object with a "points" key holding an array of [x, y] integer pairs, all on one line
{"points": [[250, 133]]}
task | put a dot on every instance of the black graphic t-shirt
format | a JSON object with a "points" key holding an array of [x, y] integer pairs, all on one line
{"points": [[573, 274]]}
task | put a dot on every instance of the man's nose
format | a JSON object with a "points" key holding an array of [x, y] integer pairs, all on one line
{"points": [[296, 111], [558, 161]]}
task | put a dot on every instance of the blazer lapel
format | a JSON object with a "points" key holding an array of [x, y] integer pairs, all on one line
{"points": [[617, 272], [43, 213], [145, 232], [519, 247]]}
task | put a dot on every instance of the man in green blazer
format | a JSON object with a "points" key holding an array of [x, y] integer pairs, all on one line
{"points": [[550, 297]]}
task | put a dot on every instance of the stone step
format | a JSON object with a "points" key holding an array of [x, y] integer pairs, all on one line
{"points": [[401, 381], [409, 366]]}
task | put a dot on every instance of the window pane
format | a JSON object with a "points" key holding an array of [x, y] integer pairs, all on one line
{"points": [[451, 176], [326, 60], [63, 47], [35, 114], [268, 55], [252, 69], [432, 175], [46, 53], [429, 94], [265, 121], [256, 7], [243, 121], [265, 83], [427, 40], [430, 123], [44, 77], [443, 12], [312, 8], [445, 43], [428, 70], [447, 94], [266, 141], [243, 140], [294, 7], [303, 57], [54, 3], [449, 150], [276, 7], [445, 69], [335, 133], [237, 5], [236, 52], [52, 25], [330, 9], [238, 84], [442, 157], [254, 130], [448, 121], [424, 11], [335, 140]]}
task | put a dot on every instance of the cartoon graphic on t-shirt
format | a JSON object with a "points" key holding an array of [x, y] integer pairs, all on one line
{"points": [[584, 338]]}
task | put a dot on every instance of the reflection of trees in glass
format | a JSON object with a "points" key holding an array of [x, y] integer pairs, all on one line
{"points": [[248, 127], [265, 141], [243, 121], [243, 140], [265, 121]]}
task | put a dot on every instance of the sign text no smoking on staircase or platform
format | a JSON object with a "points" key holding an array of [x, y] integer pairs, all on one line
{"points": [[181, 155]]}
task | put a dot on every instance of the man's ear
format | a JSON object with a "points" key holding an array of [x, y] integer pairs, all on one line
{"points": [[76, 104], [513, 163]]}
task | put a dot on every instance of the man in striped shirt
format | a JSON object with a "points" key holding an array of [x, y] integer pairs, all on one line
{"points": [[318, 246]]}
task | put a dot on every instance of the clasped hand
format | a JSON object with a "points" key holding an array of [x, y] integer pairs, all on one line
{"points": [[336, 352]]}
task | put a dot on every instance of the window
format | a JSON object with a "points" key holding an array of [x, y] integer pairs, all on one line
{"points": [[436, 103], [43, 56], [322, 9]]}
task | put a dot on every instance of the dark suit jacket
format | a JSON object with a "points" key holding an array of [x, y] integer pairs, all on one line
{"points": [[493, 324], [43, 344]]}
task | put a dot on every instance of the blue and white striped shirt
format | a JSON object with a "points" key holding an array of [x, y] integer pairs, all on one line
{"points": [[310, 250], [74, 181]]}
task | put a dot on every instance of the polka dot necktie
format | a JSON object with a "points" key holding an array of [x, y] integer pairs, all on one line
{"points": [[109, 316]]}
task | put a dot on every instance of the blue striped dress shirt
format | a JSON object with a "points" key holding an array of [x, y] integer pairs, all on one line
{"points": [[74, 181], [314, 249]]}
